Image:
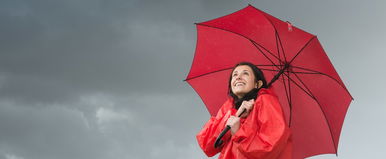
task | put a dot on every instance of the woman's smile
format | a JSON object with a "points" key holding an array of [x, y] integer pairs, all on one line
{"points": [[239, 84]]}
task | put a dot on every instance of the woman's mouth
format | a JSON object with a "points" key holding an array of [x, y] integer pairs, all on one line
{"points": [[239, 84]]}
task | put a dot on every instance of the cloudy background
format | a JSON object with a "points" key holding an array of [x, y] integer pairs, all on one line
{"points": [[102, 79]]}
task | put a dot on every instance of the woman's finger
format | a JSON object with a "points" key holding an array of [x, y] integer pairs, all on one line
{"points": [[248, 106], [240, 110]]}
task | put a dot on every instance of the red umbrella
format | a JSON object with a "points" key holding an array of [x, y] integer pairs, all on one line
{"points": [[313, 96]]}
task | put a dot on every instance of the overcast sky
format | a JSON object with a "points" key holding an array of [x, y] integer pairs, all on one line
{"points": [[102, 79]]}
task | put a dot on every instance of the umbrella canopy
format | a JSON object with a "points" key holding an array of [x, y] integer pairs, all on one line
{"points": [[313, 97]]}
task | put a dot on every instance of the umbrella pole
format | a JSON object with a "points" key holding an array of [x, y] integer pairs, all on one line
{"points": [[276, 77]]}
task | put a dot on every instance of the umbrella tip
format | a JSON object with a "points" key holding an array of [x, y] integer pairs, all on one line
{"points": [[289, 26]]}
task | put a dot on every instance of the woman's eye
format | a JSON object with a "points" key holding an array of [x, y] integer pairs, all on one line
{"points": [[246, 73], [234, 75]]}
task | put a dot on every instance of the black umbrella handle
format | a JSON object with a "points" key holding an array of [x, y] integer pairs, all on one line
{"points": [[219, 142]]}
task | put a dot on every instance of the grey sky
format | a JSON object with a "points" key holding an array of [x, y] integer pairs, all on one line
{"points": [[98, 79]]}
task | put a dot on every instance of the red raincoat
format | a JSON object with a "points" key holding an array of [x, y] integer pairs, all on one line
{"points": [[264, 134]]}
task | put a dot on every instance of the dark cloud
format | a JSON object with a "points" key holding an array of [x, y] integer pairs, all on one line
{"points": [[53, 132], [93, 46]]}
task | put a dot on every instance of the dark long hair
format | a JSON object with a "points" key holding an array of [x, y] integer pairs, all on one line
{"points": [[253, 93]]}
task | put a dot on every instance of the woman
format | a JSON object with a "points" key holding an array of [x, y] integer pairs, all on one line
{"points": [[260, 132]]}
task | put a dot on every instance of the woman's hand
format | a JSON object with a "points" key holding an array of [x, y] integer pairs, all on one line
{"points": [[234, 123], [248, 106]]}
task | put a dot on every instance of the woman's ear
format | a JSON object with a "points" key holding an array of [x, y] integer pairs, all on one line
{"points": [[259, 84]]}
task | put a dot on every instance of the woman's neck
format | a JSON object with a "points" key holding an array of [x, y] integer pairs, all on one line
{"points": [[248, 96]]}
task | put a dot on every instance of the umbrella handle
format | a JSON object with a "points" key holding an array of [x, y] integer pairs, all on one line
{"points": [[219, 142]]}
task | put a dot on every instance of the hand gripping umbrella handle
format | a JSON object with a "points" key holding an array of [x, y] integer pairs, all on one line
{"points": [[219, 142]]}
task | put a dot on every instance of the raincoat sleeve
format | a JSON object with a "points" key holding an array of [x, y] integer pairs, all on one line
{"points": [[211, 130], [264, 133]]}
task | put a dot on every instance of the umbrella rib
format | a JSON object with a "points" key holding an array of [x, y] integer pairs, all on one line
{"points": [[281, 45], [301, 81], [258, 45], [324, 114], [314, 72], [299, 86], [285, 88], [290, 97], [254, 44], [269, 70], [241, 36], [304, 72], [208, 73], [301, 50], [276, 32], [277, 45], [317, 72]]}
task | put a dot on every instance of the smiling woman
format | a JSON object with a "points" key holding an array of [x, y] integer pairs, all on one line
{"points": [[245, 78], [259, 133]]}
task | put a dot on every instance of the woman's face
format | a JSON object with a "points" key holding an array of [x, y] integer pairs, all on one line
{"points": [[242, 81]]}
